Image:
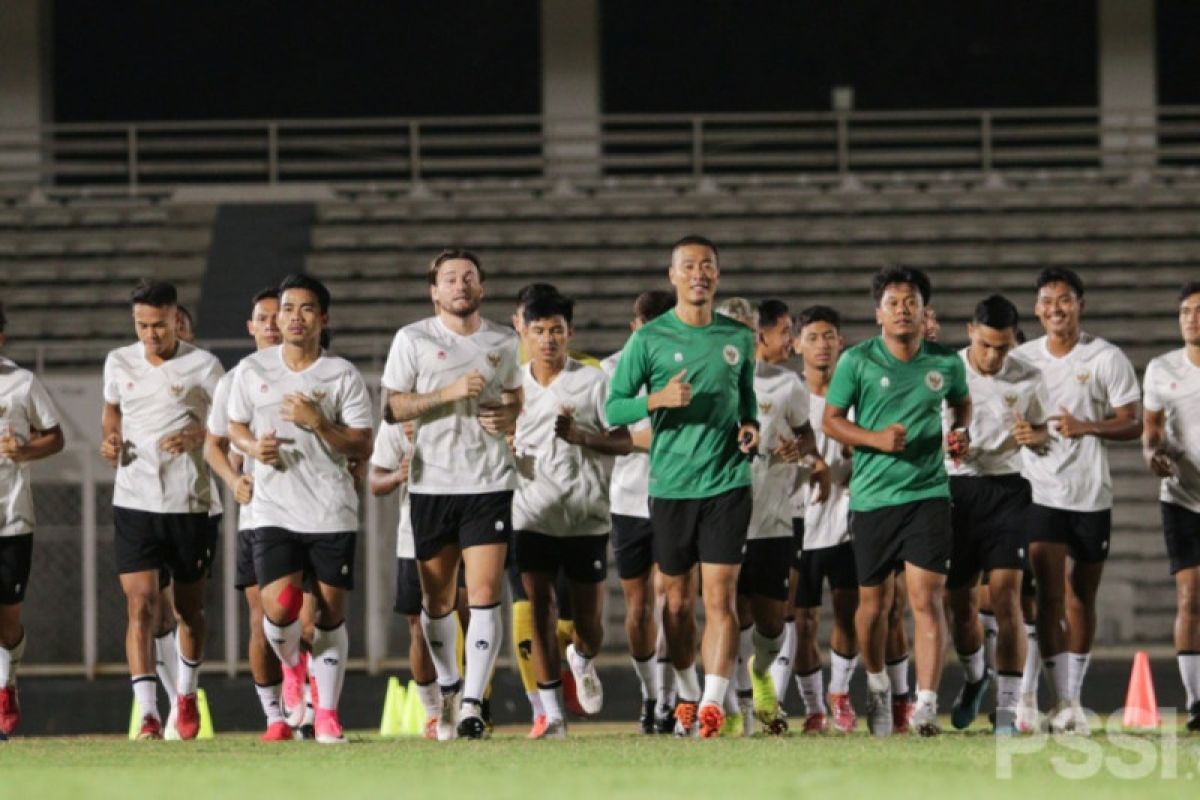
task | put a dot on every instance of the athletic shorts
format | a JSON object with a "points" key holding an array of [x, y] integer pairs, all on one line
{"points": [[16, 558], [988, 515], [467, 520], [182, 544], [633, 545], [797, 541], [834, 565], [329, 557], [1181, 528], [886, 538], [408, 587], [1085, 533], [765, 568], [583, 559], [707, 530]]}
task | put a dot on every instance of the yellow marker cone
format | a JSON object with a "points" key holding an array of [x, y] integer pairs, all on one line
{"points": [[412, 722], [135, 721], [206, 723], [393, 706]]}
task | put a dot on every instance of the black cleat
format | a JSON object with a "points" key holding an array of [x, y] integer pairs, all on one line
{"points": [[966, 705], [472, 728], [665, 723], [306, 732], [1193, 720], [647, 717]]}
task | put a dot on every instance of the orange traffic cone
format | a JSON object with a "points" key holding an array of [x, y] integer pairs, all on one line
{"points": [[1141, 708]]}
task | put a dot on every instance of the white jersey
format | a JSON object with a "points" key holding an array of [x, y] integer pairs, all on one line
{"points": [[562, 489], [629, 492], [391, 447], [1090, 381], [452, 453], [26, 408], [1017, 390], [825, 524], [782, 406], [313, 491], [218, 425], [157, 401], [1172, 384]]}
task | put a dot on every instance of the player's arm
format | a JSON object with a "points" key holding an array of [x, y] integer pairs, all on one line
{"points": [[385, 481], [1125, 424], [39, 445], [1154, 444], [803, 449], [501, 419], [625, 403], [748, 428], [639, 439], [615, 442], [405, 406], [353, 443], [836, 423], [110, 429]]}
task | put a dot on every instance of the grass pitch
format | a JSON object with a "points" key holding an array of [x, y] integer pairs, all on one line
{"points": [[599, 762]]}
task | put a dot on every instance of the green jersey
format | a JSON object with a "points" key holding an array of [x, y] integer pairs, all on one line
{"points": [[694, 451], [883, 390]]}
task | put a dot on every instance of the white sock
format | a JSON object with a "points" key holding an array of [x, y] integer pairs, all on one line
{"points": [[284, 640], [766, 649], [1059, 673], [1008, 690], [731, 700], [781, 669], [812, 692], [1189, 673], [189, 676], [973, 665], [898, 676], [687, 684], [145, 692], [442, 635], [431, 698], [484, 637], [878, 682], [535, 703], [646, 675], [927, 697], [10, 659], [665, 675], [269, 699], [841, 669], [715, 688], [1078, 671], [991, 631], [1033, 663], [329, 650], [551, 697], [576, 660], [166, 664]]}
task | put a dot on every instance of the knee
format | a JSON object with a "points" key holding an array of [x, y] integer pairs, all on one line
{"points": [[1188, 600], [806, 625], [142, 607]]}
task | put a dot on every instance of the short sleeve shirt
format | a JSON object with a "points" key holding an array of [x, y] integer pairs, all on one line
{"points": [[1172, 386], [25, 408]]}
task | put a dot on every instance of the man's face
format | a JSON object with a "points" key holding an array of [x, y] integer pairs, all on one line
{"points": [[776, 340], [929, 322], [263, 324], [518, 320], [183, 328], [300, 317], [155, 328], [990, 346], [457, 290], [1189, 319], [694, 273], [901, 311], [546, 340], [819, 344], [1058, 308]]}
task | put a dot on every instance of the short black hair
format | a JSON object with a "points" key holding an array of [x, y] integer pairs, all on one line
{"points": [[653, 304], [770, 311], [893, 275], [817, 314], [1060, 275], [159, 294], [300, 281], [692, 239], [997, 311], [546, 306], [268, 293], [1187, 290], [532, 290]]}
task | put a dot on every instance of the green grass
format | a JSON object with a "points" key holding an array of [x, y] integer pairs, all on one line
{"points": [[595, 763]]}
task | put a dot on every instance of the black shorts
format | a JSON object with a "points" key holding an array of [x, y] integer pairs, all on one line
{"points": [[1085, 533], [797, 541], [467, 520], [1181, 528], [988, 515], [886, 538], [408, 587], [180, 543], [834, 565], [244, 573], [707, 530], [16, 558], [327, 556], [633, 545], [764, 570], [583, 559]]}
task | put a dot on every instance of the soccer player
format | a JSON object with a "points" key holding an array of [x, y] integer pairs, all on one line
{"points": [[237, 472], [826, 555], [632, 540], [456, 375], [30, 431], [1171, 445], [564, 452], [699, 373], [303, 416], [899, 493], [157, 394], [1094, 399], [990, 502]]}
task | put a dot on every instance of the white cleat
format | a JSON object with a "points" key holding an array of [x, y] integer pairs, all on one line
{"points": [[447, 724], [587, 682], [879, 713], [170, 731], [925, 721], [1027, 719]]}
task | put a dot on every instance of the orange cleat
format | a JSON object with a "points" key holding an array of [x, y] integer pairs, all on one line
{"points": [[277, 732], [711, 720]]}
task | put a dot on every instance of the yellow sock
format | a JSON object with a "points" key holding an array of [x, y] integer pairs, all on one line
{"points": [[522, 622], [566, 634]]}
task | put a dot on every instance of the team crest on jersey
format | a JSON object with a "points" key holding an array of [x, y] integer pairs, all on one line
{"points": [[934, 380], [1010, 399], [766, 407], [441, 354], [177, 390], [885, 381], [494, 358], [1082, 377], [732, 356], [319, 394], [263, 388]]}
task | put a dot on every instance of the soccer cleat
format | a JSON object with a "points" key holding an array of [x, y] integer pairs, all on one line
{"points": [[745, 716], [766, 704], [306, 732], [970, 698], [879, 713], [431, 728], [293, 691], [902, 713], [711, 719], [549, 729], [328, 727], [538, 728], [646, 720], [588, 689], [151, 729], [171, 726], [1079, 724], [816, 723], [844, 718], [470, 722], [187, 717], [570, 695], [664, 719], [737, 725], [1004, 722], [685, 718], [1193, 720], [10, 710], [278, 732], [924, 720], [447, 727], [1026, 720]]}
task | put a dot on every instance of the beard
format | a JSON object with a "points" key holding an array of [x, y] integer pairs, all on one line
{"points": [[461, 308]]}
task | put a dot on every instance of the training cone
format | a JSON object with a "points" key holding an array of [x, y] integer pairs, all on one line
{"points": [[206, 725], [393, 707], [412, 721], [1141, 707]]}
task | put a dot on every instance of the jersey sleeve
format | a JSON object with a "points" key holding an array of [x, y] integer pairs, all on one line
{"points": [[389, 449], [1151, 399], [843, 386], [355, 408], [1120, 380], [239, 408], [958, 389], [510, 377], [218, 412], [624, 406], [797, 407], [747, 400], [43, 415], [1039, 403], [212, 375], [112, 392], [400, 371], [597, 396]]}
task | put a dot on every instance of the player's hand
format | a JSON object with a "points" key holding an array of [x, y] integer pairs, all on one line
{"points": [[497, 418], [243, 490], [747, 438], [892, 439], [110, 448], [676, 394], [302, 411], [1069, 427], [1162, 464], [958, 444], [820, 479], [565, 427], [1024, 434], [266, 450], [182, 441], [787, 451], [10, 445], [466, 387]]}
